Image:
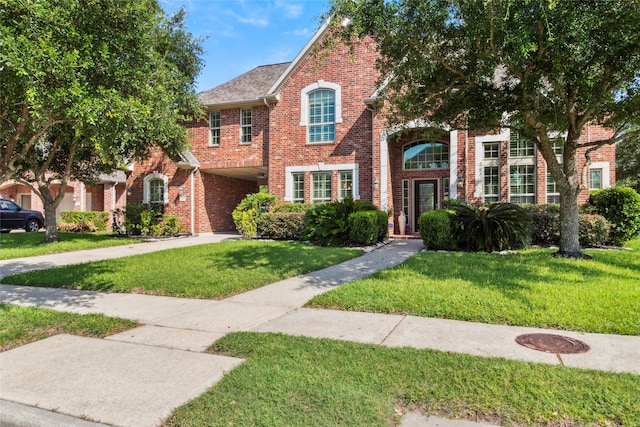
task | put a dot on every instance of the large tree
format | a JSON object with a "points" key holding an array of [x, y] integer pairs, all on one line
{"points": [[539, 67], [628, 162], [87, 85]]}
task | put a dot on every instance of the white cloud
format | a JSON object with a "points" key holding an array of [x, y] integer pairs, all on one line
{"points": [[301, 32], [291, 9]]}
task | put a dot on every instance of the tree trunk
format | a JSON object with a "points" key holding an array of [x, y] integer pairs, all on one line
{"points": [[569, 233], [50, 205]]}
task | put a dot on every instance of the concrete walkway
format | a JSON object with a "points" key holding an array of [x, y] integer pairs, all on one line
{"points": [[136, 378]]}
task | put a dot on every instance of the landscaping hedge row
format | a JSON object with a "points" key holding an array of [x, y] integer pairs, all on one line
{"points": [[87, 221]]}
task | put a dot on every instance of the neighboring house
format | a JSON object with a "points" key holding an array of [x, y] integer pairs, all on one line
{"points": [[107, 194], [311, 130]]}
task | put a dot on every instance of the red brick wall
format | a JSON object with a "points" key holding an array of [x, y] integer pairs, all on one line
{"points": [[288, 145]]}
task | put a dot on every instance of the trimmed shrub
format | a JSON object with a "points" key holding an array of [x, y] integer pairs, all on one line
{"points": [[76, 227], [327, 224], [246, 214], [167, 226], [291, 207], [436, 229], [368, 227], [282, 225], [98, 219], [495, 227], [593, 230], [545, 228], [132, 218], [621, 207]]}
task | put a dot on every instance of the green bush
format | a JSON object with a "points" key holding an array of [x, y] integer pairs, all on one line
{"points": [[132, 218], [621, 207], [291, 207], [246, 214], [98, 219], [76, 227], [436, 229], [498, 226], [593, 230], [545, 226], [327, 224], [282, 225], [368, 227], [168, 225]]}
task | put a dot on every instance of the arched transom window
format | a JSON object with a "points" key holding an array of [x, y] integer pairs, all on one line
{"points": [[426, 155]]}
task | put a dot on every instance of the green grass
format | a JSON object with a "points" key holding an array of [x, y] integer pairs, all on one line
{"points": [[296, 381], [22, 325], [19, 245], [529, 288], [205, 271]]}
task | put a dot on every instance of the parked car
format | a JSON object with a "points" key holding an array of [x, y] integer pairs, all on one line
{"points": [[13, 216]]}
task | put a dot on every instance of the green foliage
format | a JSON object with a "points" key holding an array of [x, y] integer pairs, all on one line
{"points": [[97, 219], [282, 225], [628, 159], [327, 224], [368, 227], [87, 86], [498, 226], [546, 66], [593, 230], [436, 229], [133, 217], [545, 228], [167, 226], [291, 207], [76, 227], [621, 207], [247, 213]]}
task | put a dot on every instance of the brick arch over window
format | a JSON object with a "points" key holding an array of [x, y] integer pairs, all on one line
{"points": [[304, 100], [155, 176]]}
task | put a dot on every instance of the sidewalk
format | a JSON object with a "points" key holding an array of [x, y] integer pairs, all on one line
{"points": [[138, 377]]}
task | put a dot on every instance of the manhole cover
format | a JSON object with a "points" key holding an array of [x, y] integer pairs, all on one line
{"points": [[552, 343]]}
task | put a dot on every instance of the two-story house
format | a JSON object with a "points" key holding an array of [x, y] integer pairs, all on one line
{"points": [[312, 131]]}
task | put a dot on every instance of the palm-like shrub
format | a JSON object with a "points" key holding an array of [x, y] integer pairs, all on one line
{"points": [[495, 227], [327, 224]]}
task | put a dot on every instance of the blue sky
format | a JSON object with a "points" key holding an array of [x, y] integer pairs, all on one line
{"points": [[242, 34]]}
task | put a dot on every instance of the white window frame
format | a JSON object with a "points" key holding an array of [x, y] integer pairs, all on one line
{"points": [[533, 174], [481, 162], [325, 198], [146, 188], [321, 167], [304, 100], [295, 199], [606, 173], [245, 129], [213, 128], [485, 196], [341, 189], [555, 194]]}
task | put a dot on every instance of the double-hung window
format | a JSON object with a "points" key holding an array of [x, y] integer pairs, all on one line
{"points": [[245, 126], [553, 195], [595, 179], [520, 147], [321, 187], [214, 128], [522, 184], [156, 191], [491, 183], [322, 115]]}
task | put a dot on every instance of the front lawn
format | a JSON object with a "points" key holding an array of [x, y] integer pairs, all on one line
{"points": [[22, 325], [297, 381], [20, 245], [204, 271], [528, 288]]}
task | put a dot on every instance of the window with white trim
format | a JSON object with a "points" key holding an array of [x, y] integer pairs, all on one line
{"points": [[214, 128], [298, 188], [491, 150], [322, 116], [520, 147], [155, 190], [320, 187], [522, 184], [557, 145], [595, 179], [491, 183], [346, 184], [553, 195], [245, 125], [446, 187]]}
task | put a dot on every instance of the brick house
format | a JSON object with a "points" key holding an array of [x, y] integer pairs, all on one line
{"points": [[312, 131], [107, 194]]}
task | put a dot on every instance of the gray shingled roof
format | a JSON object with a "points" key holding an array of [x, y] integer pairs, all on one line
{"points": [[246, 87]]}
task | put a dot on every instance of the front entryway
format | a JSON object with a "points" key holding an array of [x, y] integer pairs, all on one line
{"points": [[425, 198]]}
